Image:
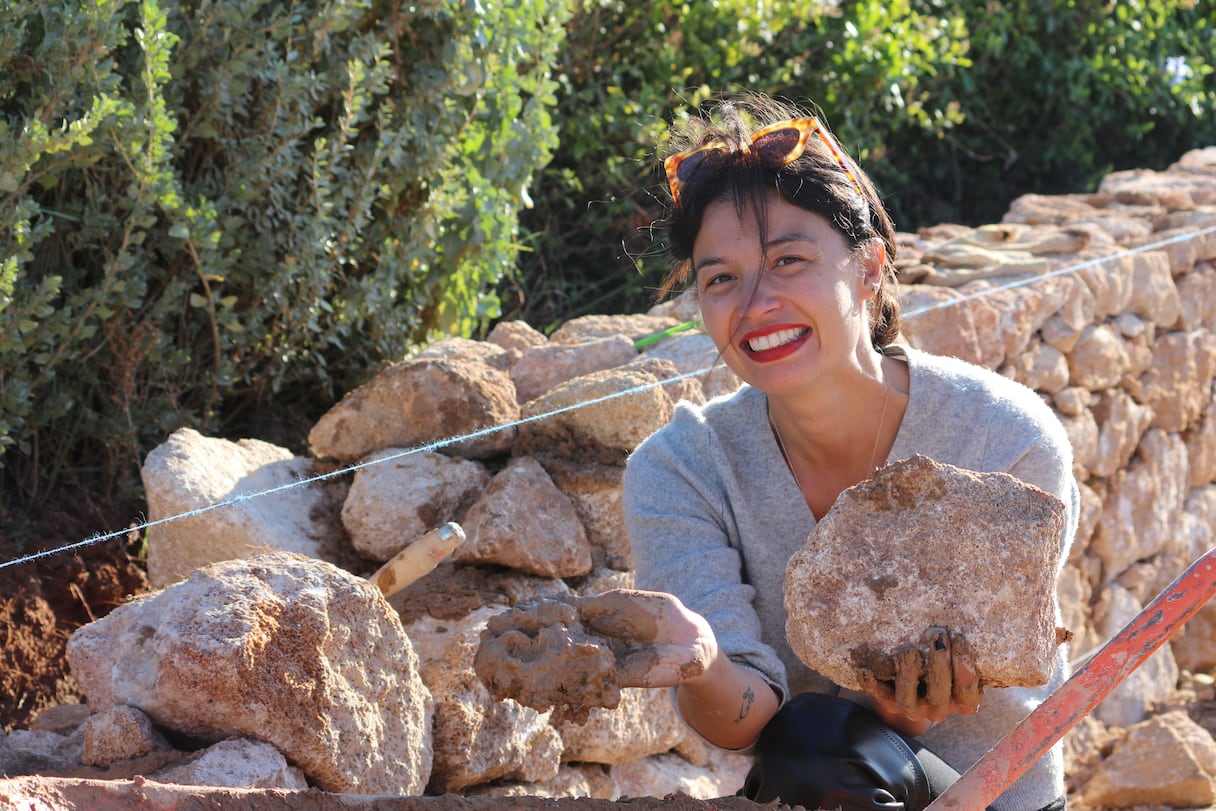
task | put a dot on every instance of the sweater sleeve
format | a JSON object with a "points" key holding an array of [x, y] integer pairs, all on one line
{"points": [[684, 540]]}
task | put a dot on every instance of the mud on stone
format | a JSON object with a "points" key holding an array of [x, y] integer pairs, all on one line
{"points": [[540, 654]]}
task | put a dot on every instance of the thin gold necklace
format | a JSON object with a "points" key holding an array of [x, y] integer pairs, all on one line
{"points": [[882, 419]]}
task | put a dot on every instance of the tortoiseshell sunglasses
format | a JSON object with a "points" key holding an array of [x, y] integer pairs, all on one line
{"points": [[777, 145]]}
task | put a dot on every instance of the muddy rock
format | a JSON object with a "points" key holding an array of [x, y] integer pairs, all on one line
{"points": [[393, 502], [908, 550], [292, 651], [189, 471], [420, 401], [540, 655]]}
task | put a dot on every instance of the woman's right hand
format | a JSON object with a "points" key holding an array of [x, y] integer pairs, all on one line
{"points": [[666, 644], [659, 642]]}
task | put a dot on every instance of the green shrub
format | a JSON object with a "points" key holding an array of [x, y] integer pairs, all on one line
{"points": [[953, 108], [212, 207]]}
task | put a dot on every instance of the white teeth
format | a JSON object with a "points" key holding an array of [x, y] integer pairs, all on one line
{"points": [[774, 339]]}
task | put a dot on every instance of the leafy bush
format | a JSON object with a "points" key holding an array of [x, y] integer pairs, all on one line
{"points": [[212, 203], [953, 108]]}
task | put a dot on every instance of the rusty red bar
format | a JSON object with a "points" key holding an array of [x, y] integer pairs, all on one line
{"points": [[1009, 759]]}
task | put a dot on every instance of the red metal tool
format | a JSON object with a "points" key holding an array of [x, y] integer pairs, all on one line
{"points": [[1050, 721]]}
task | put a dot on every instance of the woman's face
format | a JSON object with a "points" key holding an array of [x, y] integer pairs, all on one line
{"points": [[786, 306]]}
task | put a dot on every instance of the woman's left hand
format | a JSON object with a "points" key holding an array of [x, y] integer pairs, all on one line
{"points": [[932, 681]]}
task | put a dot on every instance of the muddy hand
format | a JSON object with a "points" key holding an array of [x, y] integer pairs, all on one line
{"points": [[932, 679], [657, 640]]}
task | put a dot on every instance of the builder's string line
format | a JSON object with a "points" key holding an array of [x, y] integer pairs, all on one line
{"points": [[433, 446]]}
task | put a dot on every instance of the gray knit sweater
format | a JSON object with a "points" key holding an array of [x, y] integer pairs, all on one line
{"points": [[714, 515]]}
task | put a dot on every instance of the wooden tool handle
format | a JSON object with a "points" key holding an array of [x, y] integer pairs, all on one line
{"points": [[417, 559]]}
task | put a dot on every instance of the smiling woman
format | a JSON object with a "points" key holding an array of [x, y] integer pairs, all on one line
{"points": [[791, 254]]}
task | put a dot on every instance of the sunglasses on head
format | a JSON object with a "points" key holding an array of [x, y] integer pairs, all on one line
{"points": [[776, 145]]}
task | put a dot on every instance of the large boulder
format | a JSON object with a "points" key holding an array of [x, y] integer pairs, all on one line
{"points": [[280, 648]]}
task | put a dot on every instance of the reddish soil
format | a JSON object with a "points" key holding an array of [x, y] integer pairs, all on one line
{"points": [[43, 601]]}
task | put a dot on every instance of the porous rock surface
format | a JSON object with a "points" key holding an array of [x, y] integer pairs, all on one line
{"points": [[911, 549], [282, 648]]}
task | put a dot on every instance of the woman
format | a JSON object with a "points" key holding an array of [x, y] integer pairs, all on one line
{"points": [[790, 252]]}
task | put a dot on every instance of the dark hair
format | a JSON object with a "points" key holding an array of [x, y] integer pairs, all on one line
{"points": [[814, 181]]}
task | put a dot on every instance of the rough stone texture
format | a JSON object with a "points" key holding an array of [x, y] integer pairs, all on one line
{"points": [[393, 502], [1167, 760], [119, 733], [235, 763], [477, 738], [292, 651], [62, 719], [910, 549], [633, 326], [419, 402], [643, 723], [25, 751], [694, 353], [541, 368], [191, 472], [491, 354], [523, 521], [667, 774], [595, 492], [604, 423], [1148, 685], [515, 336]]}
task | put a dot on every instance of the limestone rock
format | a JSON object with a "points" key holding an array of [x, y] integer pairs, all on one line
{"points": [[118, 733], [420, 401], [595, 492], [515, 336], [590, 327], [644, 723], [189, 472], [910, 549], [693, 352], [541, 368], [393, 502], [523, 521], [572, 780], [667, 774], [1143, 501], [1167, 760], [24, 751], [455, 348], [604, 415], [289, 650], [62, 719], [235, 763], [1150, 683], [477, 739]]}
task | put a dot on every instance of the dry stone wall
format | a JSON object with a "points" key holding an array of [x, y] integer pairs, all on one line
{"points": [[1104, 303]]}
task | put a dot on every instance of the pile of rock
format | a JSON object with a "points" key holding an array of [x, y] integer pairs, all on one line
{"points": [[275, 637]]}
